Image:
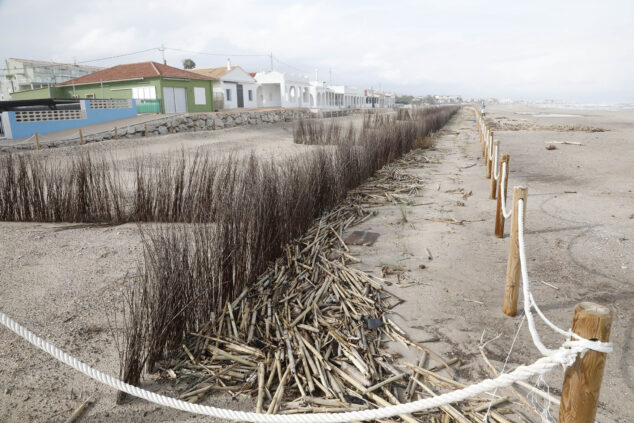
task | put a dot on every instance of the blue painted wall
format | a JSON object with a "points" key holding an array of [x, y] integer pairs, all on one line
{"points": [[26, 129]]}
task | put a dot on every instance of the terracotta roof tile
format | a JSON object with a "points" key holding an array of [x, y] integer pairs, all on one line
{"points": [[134, 71], [214, 73]]}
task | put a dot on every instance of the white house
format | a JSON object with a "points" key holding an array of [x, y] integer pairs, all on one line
{"points": [[279, 89], [322, 93], [234, 89]]}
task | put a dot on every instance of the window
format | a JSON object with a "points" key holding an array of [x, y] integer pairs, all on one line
{"points": [[144, 93], [200, 95], [92, 95], [250, 95], [228, 91]]}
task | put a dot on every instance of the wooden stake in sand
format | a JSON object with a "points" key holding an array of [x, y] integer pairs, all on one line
{"points": [[492, 192], [499, 216], [489, 151], [582, 382], [81, 137], [146, 129], [37, 141], [172, 127], [116, 133], [513, 269]]}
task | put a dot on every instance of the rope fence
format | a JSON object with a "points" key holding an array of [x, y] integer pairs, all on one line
{"points": [[584, 346], [591, 322]]}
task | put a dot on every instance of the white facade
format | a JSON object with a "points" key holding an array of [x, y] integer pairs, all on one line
{"points": [[230, 85], [277, 89], [233, 87]]}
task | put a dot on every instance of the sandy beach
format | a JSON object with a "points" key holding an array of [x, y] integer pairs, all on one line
{"points": [[62, 281]]}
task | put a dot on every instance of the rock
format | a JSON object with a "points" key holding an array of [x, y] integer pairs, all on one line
{"points": [[163, 130]]}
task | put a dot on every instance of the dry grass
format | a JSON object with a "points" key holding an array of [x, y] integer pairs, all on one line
{"points": [[227, 219], [255, 207]]}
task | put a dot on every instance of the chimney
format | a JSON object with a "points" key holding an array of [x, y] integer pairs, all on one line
{"points": [[228, 64]]}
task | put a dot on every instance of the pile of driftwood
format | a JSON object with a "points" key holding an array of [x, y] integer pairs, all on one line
{"points": [[312, 334]]}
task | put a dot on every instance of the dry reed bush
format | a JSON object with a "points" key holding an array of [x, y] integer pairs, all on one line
{"points": [[253, 208], [82, 189]]}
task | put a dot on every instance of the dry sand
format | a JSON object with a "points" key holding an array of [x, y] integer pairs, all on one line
{"points": [[59, 280]]}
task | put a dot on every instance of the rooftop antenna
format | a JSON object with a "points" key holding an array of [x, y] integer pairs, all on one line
{"points": [[162, 50]]}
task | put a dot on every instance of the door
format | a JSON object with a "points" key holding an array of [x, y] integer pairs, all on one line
{"points": [[240, 95], [175, 100]]}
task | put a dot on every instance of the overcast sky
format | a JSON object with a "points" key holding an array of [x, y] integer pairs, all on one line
{"points": [[571, 50]]}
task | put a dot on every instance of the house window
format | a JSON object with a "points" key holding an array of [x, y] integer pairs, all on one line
{"points": [[228, 91], [200, 95], [92, 95], [250, 95], [144, 93]]}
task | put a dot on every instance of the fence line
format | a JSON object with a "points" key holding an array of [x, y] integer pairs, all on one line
{"points": [[567, 354]]}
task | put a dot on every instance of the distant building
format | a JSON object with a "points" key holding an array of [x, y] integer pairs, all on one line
{"points": [[159, 87], [448, 99], [234, 88], [21, 75], [279, 89]]}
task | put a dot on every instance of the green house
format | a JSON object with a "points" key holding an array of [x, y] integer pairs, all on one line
{"points": [[157, 88]]}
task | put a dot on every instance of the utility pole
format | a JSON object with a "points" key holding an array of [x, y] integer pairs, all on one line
{"points": [[162, 50], [271, 56]]}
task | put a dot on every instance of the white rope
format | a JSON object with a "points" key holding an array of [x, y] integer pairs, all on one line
{"points": [[490, 147], [530, 302], [563, 356], [503, 193], [496, 169]]}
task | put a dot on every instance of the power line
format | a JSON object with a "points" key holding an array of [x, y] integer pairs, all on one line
{"points": [[291, 66], [121, 55], [216, 54]]}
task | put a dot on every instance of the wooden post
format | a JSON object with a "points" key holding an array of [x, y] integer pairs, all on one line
{"points": [[37, 141], [116, 133], [582, 382], [172, 127], [513, 269], [499, 216], [492, 192], [484, 132], [489, 150], [146, 129], [81, 137]]}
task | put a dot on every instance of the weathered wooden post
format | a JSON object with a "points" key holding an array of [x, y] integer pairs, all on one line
{"points": [[171, 127], [582, 382], [492, 192], [499, 215], [81, 137], [37, 141], [513, 269], [489, 152], [146, 129], [116, 133]]}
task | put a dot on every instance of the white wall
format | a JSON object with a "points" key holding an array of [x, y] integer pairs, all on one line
{"points": [[230, 81], [223, 86], [269, 95]]}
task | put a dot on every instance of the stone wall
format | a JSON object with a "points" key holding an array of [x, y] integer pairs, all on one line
{"points": [[166, 124]]}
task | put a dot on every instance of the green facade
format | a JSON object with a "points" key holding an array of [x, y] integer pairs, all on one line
{"points": [[123, 89], [189, 86]]}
